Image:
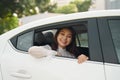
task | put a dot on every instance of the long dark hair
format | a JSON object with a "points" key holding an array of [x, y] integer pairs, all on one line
{"points": [[72, 46]]}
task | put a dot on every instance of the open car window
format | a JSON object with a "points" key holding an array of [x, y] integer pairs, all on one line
{"points": [[41, 36]]}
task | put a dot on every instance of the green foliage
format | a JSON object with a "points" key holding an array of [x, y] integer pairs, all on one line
{"points": [[42, 4], [30, 5], [74, 6], [51, 8], [8, 23], [8, 7], [71, 8], [21, 8], [24, 7], [7, 20], [82, 5]]}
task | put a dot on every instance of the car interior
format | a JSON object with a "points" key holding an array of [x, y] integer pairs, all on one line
{"points": [[41, 37], [47, 38]]}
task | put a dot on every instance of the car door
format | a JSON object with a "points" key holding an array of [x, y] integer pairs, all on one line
{"points": [[0, 73], [110, 40], [16, 64]]}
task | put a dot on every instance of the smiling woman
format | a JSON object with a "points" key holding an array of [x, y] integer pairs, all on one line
{"points": [[64, 45]]}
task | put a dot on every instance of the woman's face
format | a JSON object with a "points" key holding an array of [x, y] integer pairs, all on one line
{"points": [[64, 38]]}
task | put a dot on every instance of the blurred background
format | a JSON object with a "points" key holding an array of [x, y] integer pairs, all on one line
{"points": [[14, 13]]}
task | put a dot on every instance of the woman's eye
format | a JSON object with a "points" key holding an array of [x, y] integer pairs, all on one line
{"points": [[70, 36], [62, 33]]}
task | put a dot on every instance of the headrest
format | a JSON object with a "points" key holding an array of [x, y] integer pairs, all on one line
{"points": [[39, 39], [49, 38]]}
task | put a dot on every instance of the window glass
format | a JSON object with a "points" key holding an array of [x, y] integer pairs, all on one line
{"points": [[83, 39], [25, 41], [115, 31], [41, 37], [82, 36]]}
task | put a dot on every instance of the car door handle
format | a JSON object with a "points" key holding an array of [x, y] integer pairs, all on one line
{"points": [[21, 74]]}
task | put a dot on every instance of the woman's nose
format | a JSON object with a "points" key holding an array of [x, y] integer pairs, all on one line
{"points": [[64, 37]]}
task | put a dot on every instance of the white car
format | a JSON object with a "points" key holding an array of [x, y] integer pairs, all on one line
{"points": [[98, 36]]}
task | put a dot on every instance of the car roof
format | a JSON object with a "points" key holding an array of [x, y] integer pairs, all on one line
{"points": [[73, 16]]}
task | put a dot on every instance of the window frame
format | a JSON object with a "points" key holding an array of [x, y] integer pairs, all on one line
{"points": [[93, 39], [14, 39], [108, 49]]}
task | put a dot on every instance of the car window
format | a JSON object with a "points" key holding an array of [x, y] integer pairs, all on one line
{"points": [[82, 38], [46, 37], [42, 35], [115, 31], [23, 41]]}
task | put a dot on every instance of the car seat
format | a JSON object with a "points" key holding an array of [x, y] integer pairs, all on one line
{"points": [[39, 39], [49, 38]]}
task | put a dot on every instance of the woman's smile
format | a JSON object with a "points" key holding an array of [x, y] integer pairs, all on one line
{"points": [[64, 38]]}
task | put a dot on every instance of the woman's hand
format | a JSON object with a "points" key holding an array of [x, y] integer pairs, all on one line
{"points": [[58, 54], [82, 58]]}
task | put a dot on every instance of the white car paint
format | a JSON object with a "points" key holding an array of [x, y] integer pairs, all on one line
{"points": [[17, 65], [0, 73], [90, 14], [48, 68], [112, 71]]}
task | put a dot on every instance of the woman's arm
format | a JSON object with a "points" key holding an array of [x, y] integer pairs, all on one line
{"points": [[41, 51]]}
